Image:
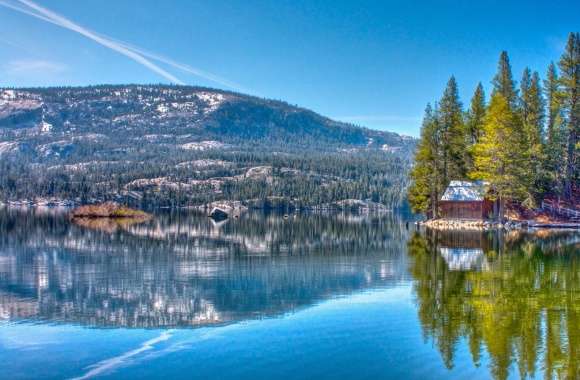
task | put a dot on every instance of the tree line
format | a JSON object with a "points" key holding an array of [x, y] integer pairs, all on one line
{"points": [[523, 141], [297, 178]]}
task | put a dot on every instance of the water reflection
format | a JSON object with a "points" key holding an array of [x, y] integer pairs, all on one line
{"points": [[516, 296], [181, 270]]}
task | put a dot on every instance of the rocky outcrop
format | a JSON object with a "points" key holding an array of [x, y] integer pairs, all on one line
{"points": [[219, 214]]}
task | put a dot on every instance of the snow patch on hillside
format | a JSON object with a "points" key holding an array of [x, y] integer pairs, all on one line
{"points": [[390, 149], [203, 164], [213, 100], [45, 127], [203, 145], [7, 147]]}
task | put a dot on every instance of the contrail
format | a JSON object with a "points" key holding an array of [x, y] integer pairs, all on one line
{"points": [[66, 23], [185, 67], [137, 54]]}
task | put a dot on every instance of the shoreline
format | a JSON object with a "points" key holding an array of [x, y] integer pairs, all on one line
{"points": [[488, 225], [237, 206]]}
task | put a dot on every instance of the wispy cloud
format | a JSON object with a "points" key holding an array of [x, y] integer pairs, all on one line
{"points": [[123, 359], [135, 53], [34, 66]]}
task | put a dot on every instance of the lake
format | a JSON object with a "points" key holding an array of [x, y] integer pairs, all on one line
{"points": [[267, 297]]}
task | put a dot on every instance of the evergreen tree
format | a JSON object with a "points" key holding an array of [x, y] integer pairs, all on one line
{"points": [[570, 84], [476, 114], [555, 136], [503, 82], [474, 123], [532, 116], [454, 140], [497, 156], [426, 177]]}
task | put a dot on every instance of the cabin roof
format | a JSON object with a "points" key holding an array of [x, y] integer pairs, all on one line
{"points": [[465, 191]]}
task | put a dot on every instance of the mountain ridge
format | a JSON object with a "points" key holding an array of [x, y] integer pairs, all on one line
{"points": [[148, 130]]}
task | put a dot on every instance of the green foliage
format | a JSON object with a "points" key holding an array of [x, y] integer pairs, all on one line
{"points": [[474, 122], [554, 165], [570, 86], [503, 82], [505, 142], [476, 114], [500, 156], [532, 115], [453, 134], [426, 178]]}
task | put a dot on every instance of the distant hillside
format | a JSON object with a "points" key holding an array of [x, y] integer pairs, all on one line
{"points": [[176, 145]]}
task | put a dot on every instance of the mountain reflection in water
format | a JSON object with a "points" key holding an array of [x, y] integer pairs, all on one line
{"points": [[182, 270], [515, 296], [413, 304]]}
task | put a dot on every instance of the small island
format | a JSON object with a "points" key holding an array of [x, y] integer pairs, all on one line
{"points": [[108, 217], [109, 210]]}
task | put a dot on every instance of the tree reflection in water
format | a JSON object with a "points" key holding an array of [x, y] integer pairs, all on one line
{"points": [[519, 301]]}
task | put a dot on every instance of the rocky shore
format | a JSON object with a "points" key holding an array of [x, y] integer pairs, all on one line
{"points": [[485, 225]]}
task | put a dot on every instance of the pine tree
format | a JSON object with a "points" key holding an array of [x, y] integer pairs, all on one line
{"points": [[426, 176], [454, 140], [503, 82], [532, 116], [474, 123], [497, 155], [570, 84], [476, 114], [555, 135]]}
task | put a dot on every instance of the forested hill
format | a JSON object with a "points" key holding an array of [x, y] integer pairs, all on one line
{"points": [[179, 145]]}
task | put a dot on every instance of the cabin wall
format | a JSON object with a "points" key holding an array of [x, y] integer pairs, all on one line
{"points": [[470, 210]]}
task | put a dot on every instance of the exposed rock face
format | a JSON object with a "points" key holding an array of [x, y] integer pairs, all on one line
{"points": [[223, 210]]}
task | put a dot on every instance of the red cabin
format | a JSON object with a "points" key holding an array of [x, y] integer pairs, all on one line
{"points": [[467, 200]]}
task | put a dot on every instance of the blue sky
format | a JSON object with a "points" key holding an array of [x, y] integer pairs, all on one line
{"points": [[374, 63]]}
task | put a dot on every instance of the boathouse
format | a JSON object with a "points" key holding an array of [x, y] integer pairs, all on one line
{"points": [[467, 200]]}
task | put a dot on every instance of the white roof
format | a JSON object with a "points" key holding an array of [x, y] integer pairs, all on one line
{"points": [[465, 191], [462, 258]]}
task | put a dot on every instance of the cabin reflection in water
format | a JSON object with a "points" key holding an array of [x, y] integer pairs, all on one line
{"points": [[464, 250]]}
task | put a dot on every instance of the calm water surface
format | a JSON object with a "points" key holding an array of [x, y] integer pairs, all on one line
{"points": [[264, 297]]}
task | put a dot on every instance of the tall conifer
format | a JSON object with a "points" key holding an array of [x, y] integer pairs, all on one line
{"points": [[454, 139], [476, 114], [532, 116], [497, 157], [554, 162], [426, 177], [503, 82], [570, 84], [474, 122]]}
